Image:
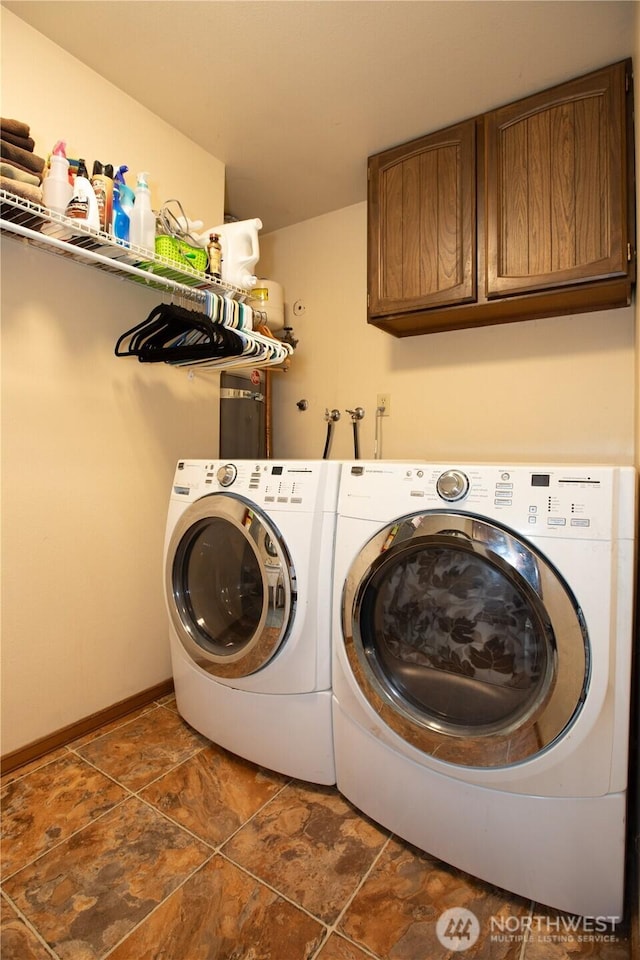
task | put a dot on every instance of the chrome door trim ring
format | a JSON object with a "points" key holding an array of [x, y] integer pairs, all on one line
{"points": [[571, 662], [275, 623]]}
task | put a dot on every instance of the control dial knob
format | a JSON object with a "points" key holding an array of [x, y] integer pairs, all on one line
{"points": [[227, 474], [452, 485]]}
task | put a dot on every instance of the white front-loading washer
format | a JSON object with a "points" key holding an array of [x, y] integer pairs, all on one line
{"points": [[482, 634], [248, 563]]}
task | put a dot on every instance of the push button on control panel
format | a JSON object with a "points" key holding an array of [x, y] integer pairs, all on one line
{"points": [[504, 492]]}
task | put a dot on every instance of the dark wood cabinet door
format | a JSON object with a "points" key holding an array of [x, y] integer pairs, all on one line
{"points": [[422, 223], [556, 176]]}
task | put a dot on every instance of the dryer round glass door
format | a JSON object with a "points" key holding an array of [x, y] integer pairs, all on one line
{"points": [[230, 586], [464, 639]]}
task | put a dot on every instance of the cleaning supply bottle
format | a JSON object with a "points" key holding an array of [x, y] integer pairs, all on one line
{"points": [[56, 189], [142, 229], [102, 183], [122, 205], [83, 205], [214, 253], [240, 250]]}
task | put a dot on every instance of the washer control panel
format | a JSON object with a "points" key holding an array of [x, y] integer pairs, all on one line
{"points": [[566, 501]]}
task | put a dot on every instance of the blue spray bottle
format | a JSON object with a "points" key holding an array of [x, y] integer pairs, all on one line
{"points": [[123, 198]]}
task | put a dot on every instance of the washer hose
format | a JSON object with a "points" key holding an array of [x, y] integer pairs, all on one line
{"points": [[356, 416], [331, 416], [327, 445]]}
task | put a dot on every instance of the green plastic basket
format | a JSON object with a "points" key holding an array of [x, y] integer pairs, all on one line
{"points": [[181, 253]]}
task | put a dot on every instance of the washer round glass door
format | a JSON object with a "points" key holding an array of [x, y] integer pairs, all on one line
{"points": [[230, 586], [464, 639]]}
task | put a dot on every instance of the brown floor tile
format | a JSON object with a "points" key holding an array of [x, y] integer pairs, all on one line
{"points": [[94, 870], [337, 948], [17, 941], [395, 912], [310, 844], [552, 938], [138, 752], [34, 765], [230, 916], [213, 793], [48, 805], [90, 891]]}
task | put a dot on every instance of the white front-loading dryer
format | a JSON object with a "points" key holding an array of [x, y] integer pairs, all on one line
{"points": [[481, 672], [248, 564]]}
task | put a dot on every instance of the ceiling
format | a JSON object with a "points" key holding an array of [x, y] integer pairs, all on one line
{"points": [[293, 95]]}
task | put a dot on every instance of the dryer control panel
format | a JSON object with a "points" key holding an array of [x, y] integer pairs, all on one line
{"points": [[592, 502], [286, 485]]}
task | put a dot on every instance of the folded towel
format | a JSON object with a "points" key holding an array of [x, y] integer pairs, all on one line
{"points": [[25, 143], [16, 127], [25, 190], [19, 166], [15, 173], [22, 158]]}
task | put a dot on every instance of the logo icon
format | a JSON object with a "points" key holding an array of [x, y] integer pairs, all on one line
{"points": [[457, 929]]}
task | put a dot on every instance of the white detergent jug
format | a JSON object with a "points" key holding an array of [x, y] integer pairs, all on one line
{"points": [[240, 250]]}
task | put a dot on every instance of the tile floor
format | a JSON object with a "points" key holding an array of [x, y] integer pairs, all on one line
{"points": [[144, 841]]}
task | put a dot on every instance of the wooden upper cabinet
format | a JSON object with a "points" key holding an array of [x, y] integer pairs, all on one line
{"points": [[555, 186], [422, 222], [527, 211]]}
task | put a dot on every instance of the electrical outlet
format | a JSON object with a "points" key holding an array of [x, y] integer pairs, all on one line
{"points": [[384, 400]]}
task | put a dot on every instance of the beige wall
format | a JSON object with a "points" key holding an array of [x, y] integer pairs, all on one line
{"points": [[558, 389], [89, 441], [62, 99]]}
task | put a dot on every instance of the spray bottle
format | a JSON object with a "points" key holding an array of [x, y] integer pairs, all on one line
{"points": [[122, 205], [142, 229], [83, 206], [56, 189]]}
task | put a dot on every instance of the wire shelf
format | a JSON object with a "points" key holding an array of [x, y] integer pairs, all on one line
{"points": [[50, 231]]}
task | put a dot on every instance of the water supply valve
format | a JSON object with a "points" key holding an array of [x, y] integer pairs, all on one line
{"points": [[357, 414]]}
